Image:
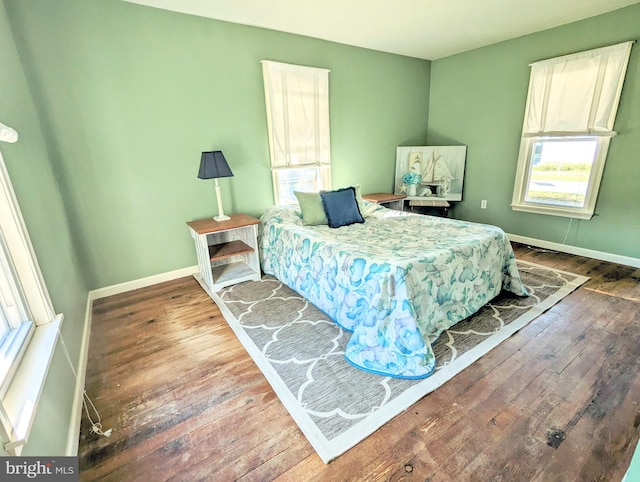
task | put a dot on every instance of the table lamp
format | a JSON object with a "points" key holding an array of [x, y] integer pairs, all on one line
{"points": [[212, 166]]}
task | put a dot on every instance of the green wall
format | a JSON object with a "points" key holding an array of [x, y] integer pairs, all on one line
{"points": [[478, 99], [36, 187], [114, 103], [129, 96]]}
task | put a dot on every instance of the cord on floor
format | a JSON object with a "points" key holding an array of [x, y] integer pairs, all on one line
{"points": [[96, 427]]}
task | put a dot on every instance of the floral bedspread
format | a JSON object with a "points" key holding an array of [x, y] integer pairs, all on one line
{"points": [[396, 281]]}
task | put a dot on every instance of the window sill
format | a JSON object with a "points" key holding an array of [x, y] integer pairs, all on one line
{"points": [[26, 387], [553, 211]]}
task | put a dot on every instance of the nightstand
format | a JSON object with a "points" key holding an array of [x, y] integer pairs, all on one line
{"points": [[391, 201], [227, 251]]}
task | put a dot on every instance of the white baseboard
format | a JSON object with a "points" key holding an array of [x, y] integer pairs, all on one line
{"points": [[141, 283], [76, 410], [588, 253]]}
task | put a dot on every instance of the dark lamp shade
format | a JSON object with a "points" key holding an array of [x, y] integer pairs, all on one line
{"points": [[213, 165]]}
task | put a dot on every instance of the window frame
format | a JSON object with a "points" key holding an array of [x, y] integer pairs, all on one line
{"points": [[572, 96], [15, 315], [523, 173]]}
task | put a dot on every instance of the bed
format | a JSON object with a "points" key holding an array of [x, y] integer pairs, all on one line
{"points": [[396, 281]]}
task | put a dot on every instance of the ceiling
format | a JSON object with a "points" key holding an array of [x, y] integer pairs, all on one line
{"points": [[425, 29]]}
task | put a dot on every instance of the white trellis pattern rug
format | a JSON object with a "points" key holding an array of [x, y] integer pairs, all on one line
{"points": [[301, 353]]}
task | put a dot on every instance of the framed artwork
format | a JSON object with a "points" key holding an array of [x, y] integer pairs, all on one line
{"points": [[430, 171]]}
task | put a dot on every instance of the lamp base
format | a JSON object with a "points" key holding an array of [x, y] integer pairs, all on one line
{"points": [[221, 216]]}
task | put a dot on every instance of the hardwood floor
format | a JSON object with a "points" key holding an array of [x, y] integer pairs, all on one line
{"points": [[558, 401]]}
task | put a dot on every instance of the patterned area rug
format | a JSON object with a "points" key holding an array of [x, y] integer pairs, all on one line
{"points": [[300, 351]]}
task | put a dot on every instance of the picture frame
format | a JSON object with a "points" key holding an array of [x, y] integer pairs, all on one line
{"points": [[430, 172]]}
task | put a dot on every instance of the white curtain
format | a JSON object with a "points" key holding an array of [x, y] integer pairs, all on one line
{"points": [[576, 94], [297, 100]]}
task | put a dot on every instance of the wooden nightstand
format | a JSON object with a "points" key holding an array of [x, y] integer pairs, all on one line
{"points": [[392, 201], [227, 251]]}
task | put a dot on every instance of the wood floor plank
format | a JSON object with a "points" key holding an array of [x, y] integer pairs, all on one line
{"points": [[556, 401]]}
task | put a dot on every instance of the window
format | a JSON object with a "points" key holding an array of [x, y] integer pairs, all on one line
{"points": [[16, 324], [568, 124], [560, 170], [28, 325], [297, 104]]}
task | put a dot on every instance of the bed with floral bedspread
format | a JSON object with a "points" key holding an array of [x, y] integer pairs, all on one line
{"points": [[396, 281]]}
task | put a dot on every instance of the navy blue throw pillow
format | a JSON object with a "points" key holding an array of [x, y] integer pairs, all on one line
{"points": [[341, 207]]}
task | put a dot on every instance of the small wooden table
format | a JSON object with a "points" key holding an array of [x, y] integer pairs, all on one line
{"points": [[227, 251], [392, 201]]}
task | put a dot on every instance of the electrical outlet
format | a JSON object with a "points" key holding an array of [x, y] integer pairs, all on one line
{"points": [[483, 204]]}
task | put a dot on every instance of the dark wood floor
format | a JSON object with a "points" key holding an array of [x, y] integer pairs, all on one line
{"points": [[558, 401]]}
